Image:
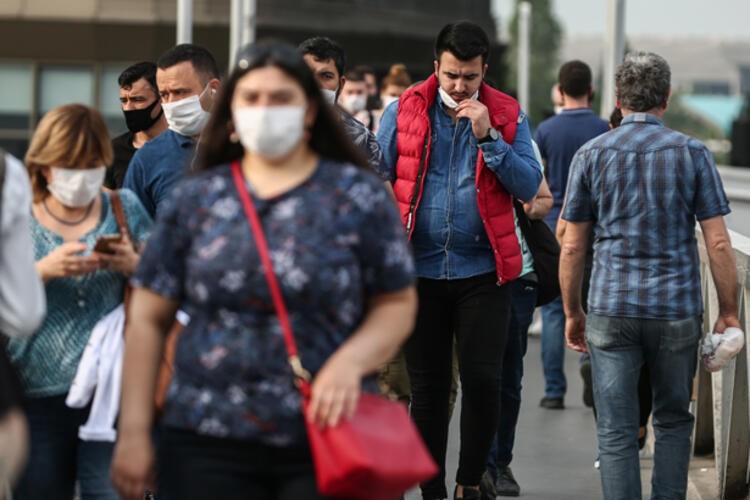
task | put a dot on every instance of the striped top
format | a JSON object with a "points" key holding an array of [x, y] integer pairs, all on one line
{"points": [[643, 186], [47, 361]]}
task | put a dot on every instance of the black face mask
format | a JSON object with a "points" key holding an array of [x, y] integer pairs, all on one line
{"points": [[140, 119]]}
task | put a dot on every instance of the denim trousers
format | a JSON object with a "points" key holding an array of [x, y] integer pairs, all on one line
{"points": [[619, 347], [475, 311], [195, 467], [58, 458], [522, 306], [553, 349]]}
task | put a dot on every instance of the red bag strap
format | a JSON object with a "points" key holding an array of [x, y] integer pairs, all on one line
{"points": [[302, 375]]}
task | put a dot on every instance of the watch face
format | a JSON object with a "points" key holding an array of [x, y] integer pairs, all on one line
{"points": [[493, 134]]}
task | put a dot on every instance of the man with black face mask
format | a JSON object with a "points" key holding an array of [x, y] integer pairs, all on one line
{"points": [[144, 117]]}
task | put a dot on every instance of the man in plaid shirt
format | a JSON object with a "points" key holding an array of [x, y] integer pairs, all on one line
{"points": [[642, 187]]}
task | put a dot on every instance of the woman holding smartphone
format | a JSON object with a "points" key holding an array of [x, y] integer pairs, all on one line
{"points": [[71, 212]]}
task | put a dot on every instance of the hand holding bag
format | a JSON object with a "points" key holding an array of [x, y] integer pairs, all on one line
{"points": [[378, 453]]}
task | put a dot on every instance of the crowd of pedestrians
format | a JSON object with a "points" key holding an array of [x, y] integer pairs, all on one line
{"points": [[396, 220]]}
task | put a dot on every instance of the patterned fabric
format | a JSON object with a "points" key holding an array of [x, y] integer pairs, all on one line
{"points": [[47, 361], [365, 140], [643, 186], [335, 241]]}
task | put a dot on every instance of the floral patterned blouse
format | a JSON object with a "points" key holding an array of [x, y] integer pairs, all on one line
{"points": [[335, 241]]}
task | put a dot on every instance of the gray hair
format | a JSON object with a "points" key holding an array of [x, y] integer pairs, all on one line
{"points": [[642, 81]]}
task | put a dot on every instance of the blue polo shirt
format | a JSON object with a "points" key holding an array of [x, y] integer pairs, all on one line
{"points": [[558, 138], [157, 166]]}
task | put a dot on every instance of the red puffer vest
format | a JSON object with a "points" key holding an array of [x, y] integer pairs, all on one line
{"points": [[414, 133]]}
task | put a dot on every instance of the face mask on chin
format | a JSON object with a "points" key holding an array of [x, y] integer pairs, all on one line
{"points": [[186, 116], [271, 132], [449, 101], [138, 120], [75, 187]]}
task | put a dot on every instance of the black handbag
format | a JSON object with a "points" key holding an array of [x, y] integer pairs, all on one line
{"points": [[545, 249]]}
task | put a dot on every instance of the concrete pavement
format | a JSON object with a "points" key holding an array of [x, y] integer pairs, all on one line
{"points": [[555, 449]]}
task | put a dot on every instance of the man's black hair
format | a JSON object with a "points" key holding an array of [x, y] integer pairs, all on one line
{"points": [[463, 39], [323, 48], [575, 78], [143, 69], [202, 60]]}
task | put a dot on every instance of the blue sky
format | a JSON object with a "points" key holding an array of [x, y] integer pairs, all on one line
{"points": [[720, 18]]}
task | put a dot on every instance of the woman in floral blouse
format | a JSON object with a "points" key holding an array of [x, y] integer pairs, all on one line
{"points": [[232, 424]]}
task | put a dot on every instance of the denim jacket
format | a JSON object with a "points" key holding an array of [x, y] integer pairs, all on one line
{"points": [[450, 241]]}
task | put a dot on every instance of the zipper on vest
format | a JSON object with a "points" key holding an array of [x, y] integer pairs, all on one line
{"points": [[417, 187]]}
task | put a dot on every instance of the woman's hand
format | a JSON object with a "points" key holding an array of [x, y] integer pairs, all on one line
{"points": [[335, 391], [64, 261], [133, 465], [124, 259]]}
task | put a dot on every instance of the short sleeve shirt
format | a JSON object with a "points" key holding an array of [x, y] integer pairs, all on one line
{"points": [[643, 186], [335, 241]]}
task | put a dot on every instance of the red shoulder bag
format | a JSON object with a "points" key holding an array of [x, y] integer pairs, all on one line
{"points": [[378, 453]]}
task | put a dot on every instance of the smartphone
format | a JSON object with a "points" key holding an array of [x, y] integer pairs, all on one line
{"points": [[104, 243]]}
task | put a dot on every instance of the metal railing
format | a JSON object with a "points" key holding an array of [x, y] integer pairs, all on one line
{"points": [[722, 409]]}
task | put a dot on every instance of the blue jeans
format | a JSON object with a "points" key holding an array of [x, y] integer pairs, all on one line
{"points": [[58, 458], [553, 349], [619, 347], [522, 307]]}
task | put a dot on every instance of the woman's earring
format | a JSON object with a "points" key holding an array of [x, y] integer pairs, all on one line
{"points": [[234, 138]]}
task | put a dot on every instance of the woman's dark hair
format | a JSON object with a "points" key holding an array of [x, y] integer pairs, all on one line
{"points": [[327, 137]]}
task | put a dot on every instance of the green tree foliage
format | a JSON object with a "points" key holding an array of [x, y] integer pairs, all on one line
{"points": [[682, 119], [546, 34]]}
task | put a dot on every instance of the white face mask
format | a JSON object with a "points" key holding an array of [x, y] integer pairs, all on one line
{"points": [[354, 103], [329, 95], [448, 100], [270, 131], [186, 116], [388, 100], [75, 187]]}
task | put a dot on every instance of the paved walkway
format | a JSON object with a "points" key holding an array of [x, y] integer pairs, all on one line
{"points": [[555, 449]]}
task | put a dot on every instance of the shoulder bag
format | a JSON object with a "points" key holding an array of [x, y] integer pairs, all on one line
{"points": [[375, 455], [545, 249]]}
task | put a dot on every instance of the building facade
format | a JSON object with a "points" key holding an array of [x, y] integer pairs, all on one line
{"points": [[54, 52]]}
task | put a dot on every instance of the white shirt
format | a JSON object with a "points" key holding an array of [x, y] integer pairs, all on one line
{"points": [[22, 298]]}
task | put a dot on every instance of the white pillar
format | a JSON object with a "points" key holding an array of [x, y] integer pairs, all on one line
{"points": [[184, 21], [524, 53], [249, 14], [614, 44], [235, 29]]}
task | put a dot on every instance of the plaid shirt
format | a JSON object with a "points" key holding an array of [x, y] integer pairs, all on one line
{"points": [[643, 186]]}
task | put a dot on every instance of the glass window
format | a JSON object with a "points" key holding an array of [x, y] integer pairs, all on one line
{"points": [[60, 85], [109, 99], [16, 98]]}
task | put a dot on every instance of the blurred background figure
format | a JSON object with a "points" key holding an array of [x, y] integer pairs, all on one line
{"points": [[66, 162], [392, 86], [233, 425], [22, 308], [354, 95], [144, 117]]}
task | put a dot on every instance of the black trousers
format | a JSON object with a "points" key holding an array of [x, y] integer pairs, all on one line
{"points": [[194, 467], [476, 312]]}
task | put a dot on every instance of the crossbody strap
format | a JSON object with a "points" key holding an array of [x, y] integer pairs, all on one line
{"points": [[119, 212], [302, 375]]}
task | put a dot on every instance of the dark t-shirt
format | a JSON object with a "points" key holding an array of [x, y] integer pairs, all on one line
{"points": [[558, 139], [122, 146]]}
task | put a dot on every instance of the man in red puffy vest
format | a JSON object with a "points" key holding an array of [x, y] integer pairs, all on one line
{"points": [[458, 151]]}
